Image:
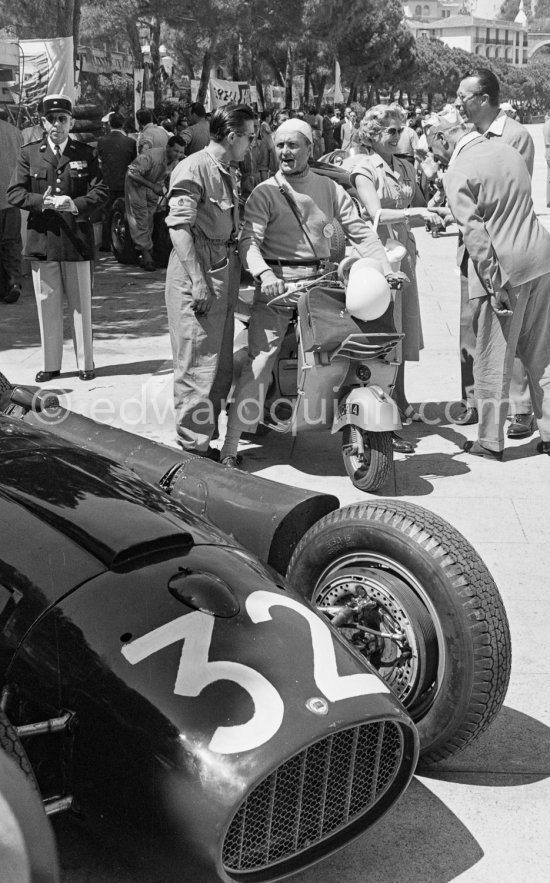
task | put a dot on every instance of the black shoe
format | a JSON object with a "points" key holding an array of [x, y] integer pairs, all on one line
{"points": [[86, 375], [521, 426], [479, 450], [44, 376], [232, 462], [400, 445], [543, 447], [13, 294], [467, 417]]}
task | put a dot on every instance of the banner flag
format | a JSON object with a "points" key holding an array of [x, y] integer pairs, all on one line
{"points": [[224, 92], [46, 66], [338, 94], [138, 88]]}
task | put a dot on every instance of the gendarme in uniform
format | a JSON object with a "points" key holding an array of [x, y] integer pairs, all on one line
{"points": [[60, 189]]}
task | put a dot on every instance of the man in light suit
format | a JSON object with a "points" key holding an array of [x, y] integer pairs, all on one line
{"points": [[488, 190], [477, 101]]}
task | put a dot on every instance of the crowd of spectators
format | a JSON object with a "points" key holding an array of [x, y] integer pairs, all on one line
{"points": [[387, 151]]}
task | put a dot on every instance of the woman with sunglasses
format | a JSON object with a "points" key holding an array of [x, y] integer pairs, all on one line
{"points": [[386, 185]]}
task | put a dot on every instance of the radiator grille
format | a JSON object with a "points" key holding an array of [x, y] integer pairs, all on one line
{"points": [[313, 795]]}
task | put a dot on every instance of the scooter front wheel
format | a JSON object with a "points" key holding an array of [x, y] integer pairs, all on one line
{"points": [[370, 468]]}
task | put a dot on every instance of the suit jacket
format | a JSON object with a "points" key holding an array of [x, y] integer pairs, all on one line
{"points": [[116, 151], [516, 135], [58, 236], [488, 190], [10, 145]]}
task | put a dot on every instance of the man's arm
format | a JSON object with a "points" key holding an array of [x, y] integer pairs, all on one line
{"points": [[462, 197], [257, 215], [19, 192], [183, 200]]}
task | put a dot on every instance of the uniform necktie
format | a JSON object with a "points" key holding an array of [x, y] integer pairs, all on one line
{"points": [[57, 154]]}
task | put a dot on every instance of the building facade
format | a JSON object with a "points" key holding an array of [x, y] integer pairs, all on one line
{"points": [[487, 38]]}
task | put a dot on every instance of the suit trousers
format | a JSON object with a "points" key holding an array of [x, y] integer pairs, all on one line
{"points": [[202, 346], [266, 332], [52, 279], [520, 397], [10, 249], [527, 331]]}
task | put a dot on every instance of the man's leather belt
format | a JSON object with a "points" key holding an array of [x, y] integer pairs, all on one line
{"points": [[292, 263]]}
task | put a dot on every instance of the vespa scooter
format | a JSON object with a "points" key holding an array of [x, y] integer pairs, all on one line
{"points": [[337, 371]]}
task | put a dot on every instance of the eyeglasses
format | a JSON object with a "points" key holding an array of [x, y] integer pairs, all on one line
{"points": [[57, 118], [464, 98], [393, 130]]}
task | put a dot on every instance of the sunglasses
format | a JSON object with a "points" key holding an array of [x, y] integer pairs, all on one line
{"points": [[393, 130], [57, 118]]}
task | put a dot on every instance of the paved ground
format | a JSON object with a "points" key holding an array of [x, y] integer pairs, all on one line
{"points": [[484, 816]]}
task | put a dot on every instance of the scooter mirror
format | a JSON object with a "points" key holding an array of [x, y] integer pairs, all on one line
{"points": [[368, 294]]}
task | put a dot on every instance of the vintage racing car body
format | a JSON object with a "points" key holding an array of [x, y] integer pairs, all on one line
{"points": [[152, 664]]}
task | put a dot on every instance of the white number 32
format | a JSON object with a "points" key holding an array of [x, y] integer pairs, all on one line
{"points": [[195, 671]]}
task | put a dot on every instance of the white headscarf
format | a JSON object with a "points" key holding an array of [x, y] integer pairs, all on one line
{"points": [[290, 126]]}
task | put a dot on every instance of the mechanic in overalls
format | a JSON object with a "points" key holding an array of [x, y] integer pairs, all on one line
{"points": [[286, 236], [202, 280]]}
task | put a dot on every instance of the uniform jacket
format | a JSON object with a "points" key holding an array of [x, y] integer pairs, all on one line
{"points": [[58, 236], [116, 151], [488, 189]]}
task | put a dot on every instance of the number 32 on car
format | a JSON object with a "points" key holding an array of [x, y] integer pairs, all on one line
{"points": [[195, 671]]}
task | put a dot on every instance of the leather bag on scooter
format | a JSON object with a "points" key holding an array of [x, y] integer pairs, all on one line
{"points": [[325, 322]]}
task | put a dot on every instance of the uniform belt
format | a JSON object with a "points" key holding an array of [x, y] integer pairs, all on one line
{"points": [[292, 263]]}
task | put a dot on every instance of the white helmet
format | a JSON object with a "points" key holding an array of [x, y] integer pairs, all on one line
{"points": [[368, 294]]}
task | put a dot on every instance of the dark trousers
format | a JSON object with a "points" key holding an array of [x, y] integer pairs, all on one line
{"points": [[10, 249], [106, 217]]}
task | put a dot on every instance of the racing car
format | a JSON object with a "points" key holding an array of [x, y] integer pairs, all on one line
{"points": [[242, 666]]}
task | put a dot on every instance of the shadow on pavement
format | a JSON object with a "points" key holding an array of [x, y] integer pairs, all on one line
{"points": [[515, 750]]}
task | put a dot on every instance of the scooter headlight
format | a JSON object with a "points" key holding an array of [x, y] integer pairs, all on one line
{"points": [[363, 373]]}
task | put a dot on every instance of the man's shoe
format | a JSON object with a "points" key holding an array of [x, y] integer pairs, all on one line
{"points": [[522, 426], [147, 261], [479, 450], [231, 462], [543, 447], [467, 417], [44, 376], [400, 445], [13, 294], [86, 375]]}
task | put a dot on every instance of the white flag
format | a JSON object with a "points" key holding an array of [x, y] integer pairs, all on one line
{"points": [[338, 94], [46, 66], [138, 88]]}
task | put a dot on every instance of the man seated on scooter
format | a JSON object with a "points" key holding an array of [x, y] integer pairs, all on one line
{"points": [[288, 226]]}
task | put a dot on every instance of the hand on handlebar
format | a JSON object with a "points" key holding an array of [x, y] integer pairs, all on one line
{"points": [[272, 286], [396, 280]]}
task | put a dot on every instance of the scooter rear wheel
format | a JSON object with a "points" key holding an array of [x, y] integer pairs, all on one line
{"points": [[368, 471]]}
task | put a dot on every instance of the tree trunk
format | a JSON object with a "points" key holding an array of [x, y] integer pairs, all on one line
{"points": [[155, 60], [257, 78], [306, 82], [205, 74], [319, 84], [280, 80], [289, 74], [132, 34]]}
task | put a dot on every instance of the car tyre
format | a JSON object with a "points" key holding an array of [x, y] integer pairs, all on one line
{"points": [[121, 241], [425, 578]]}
